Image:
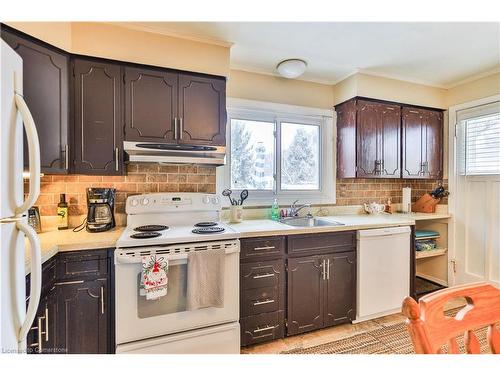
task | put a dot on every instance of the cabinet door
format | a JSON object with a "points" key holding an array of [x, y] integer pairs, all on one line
{"points": [[340, 292], [368, 139], [305, 294], [98, 118], [390, 141], [150, 105], [422, 143], [413, 124], [202, 110], [433, 167], [45, 89], [346, 139], [84, 319], [42, 337]]}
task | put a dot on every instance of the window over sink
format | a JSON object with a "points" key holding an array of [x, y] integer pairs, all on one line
{"points": [[279, 151]]}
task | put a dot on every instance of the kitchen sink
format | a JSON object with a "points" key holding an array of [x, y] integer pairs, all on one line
{"points": [[309, 222]]}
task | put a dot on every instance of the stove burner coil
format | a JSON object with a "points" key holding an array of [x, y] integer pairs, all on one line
{"points": [[205, 224], [143, 235], [208, 230], [151, 228]]}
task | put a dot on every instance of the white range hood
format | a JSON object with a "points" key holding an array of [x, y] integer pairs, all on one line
{"points": [[155, 152]]}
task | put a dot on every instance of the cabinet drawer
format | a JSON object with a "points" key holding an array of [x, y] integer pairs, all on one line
{"points": [[82, 265], [321, 243], [262, 328], [261, 300], [252, 248], [262, 274]]}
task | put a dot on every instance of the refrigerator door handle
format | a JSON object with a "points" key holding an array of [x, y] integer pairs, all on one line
{"points": [[34, 154], [35, 278]]}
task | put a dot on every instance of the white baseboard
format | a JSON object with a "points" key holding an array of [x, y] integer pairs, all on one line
{"points": [[434, 279]]}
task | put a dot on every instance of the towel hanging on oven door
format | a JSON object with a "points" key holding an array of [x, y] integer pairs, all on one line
{"points": [[154, 279]]}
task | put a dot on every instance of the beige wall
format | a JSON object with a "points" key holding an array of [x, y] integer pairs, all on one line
{"points": [[389, 89], [480, 88], [120, 43], [263, 87], [55, 33]]}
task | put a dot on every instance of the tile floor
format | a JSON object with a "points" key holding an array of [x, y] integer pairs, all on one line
{"points": [[322, 336], [326, 335]]}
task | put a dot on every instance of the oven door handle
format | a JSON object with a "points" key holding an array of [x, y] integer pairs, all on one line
{"points": [[134, 259]]}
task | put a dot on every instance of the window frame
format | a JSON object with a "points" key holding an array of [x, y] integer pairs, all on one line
{"points": [[243, 109]]}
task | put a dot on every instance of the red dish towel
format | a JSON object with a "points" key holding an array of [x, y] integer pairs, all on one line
{"points": [[154, 276]]}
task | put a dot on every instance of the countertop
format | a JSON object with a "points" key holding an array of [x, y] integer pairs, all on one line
{"points": [[56, 241], [253, 228]]}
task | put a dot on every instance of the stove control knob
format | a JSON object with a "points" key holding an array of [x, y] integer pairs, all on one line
{"points": [[215, 200], [145, 201], [206, 199], [134, 202]]}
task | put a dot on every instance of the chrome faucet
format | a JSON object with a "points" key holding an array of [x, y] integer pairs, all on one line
{"points": [[294, 210]]}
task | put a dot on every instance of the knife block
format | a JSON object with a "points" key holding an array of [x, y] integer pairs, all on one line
{"points": [[426, 203]]}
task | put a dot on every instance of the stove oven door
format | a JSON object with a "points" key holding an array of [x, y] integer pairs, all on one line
{"points": [[138, 318]]}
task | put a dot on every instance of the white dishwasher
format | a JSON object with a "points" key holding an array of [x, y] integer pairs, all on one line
{"points": [[383, 274]]}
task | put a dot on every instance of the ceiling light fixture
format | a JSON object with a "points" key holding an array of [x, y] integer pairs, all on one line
{"points": [[291, 68]]}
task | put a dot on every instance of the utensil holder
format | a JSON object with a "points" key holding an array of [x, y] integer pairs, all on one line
{"points": [[235, 214]]}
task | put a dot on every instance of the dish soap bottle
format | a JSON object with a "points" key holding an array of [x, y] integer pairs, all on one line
{"points": [[62, 212], [275, 210]]}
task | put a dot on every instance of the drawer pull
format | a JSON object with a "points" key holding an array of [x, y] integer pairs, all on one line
{"points": [[265, 248], [263, 276], [265, 302], [267, 328]]}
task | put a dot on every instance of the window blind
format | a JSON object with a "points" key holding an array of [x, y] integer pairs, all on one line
{"points": [[479, 140]]}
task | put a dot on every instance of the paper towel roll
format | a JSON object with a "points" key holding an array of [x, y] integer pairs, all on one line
{"points": [[406, 207]]}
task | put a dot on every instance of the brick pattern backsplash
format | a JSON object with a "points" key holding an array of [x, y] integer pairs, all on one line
{"points": [[140, 178], [151, 177], [355, 191]]}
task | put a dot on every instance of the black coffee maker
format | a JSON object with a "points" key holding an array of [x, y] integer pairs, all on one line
{"points": [[100, 204]]}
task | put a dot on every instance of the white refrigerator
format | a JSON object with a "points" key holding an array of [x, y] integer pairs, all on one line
{"points": [[16, 236]]}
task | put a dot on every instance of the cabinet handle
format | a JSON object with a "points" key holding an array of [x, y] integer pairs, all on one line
{"points": [[46, 324], [180, 127], [40, 332], [102, 300], [263, 276], [328, 269], [264, 248], [265, 302], [324, 270], [69, 282], [267, 328], [117, 159], [176, 135], [66, 157]]}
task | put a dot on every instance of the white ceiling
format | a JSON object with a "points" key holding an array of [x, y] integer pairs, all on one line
{"points": [[437, 54]]}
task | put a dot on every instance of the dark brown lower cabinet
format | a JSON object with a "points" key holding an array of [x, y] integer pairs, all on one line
{"points": [[83, 318], [306, 284], [75, 313], [321, 291], [340, 304]]}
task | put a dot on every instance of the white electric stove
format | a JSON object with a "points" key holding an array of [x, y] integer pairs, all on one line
{"points": [[171, 225]]}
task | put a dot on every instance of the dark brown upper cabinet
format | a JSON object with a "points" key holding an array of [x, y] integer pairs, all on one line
{"points": [[422, 143], [202, 110], [150, 105], [97, 117], [378, 140], [45, 89], [371, 140]]}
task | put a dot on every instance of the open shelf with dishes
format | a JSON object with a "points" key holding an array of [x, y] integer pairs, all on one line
{"points": [[431, 255]]}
